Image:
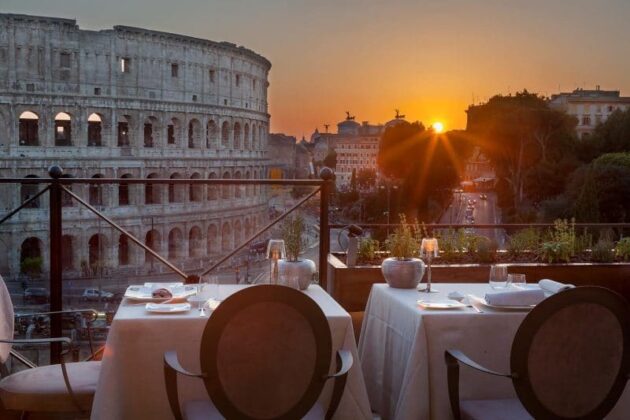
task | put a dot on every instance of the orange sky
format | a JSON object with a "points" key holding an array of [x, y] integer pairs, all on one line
{"points": [[426, 57]]}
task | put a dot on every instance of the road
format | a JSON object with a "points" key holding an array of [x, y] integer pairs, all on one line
{"points": [[484, 212]]}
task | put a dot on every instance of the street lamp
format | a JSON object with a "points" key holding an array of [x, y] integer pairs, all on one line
{"points": [[389, 188]]}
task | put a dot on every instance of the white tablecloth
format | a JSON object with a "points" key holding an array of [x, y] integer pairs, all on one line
{"points": [[131, 385], [402, 352]]}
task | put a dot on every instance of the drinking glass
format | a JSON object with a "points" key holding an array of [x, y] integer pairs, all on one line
{"points": [[498, 276], [516, 279]]}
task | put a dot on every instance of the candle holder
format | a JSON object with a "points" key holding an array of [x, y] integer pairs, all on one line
{"points": [[429, 250], [275, 252]]}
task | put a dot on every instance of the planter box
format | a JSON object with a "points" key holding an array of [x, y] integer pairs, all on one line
{"points": [[351, 286]]}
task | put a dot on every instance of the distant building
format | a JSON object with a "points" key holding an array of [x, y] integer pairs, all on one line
{"points": [[288, 159], [590, 107], [356, 146]]}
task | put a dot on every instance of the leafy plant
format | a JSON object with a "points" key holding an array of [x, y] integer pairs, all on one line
{"points": [[622, 249], [603, 251], [368, 248], [555, 251], [560, 243], [292, 230], [452, 242], [523, 240], [31, 265], [403, 243], [486, 249]]}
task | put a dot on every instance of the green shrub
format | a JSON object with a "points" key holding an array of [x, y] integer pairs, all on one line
{"points": [[486, 249], [622, 249], [523, 240], [403, 244], [603, 251], [368, 248], [452, 242], [554, 251], [31, 265], [292, 230], [559, 244]]}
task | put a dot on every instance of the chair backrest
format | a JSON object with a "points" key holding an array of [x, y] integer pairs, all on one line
{"points": [[266, 350], [571, 354], [6, 321]]}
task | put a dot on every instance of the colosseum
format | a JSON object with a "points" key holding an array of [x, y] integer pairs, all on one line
{"points": [[129, 103]]}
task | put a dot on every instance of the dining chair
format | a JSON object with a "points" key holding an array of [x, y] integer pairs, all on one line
{"points": [[266, 353], [570, 358], [66, 387]]}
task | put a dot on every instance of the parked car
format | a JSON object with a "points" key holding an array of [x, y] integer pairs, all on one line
{"points": [[37, 295], [96, 295]]}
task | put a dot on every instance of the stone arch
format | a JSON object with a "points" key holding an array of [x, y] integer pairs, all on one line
{"points": [[225, 135], [249, 190], [31, 256], [29, 129], [175, 239], [63, 129], [123, 133], [176, 191], [238, 233], [30, 190], [238, 189], [152, 240], [211, 134], [123, 250], [194, 134], [123, 191], [211, 190], [194, 242], [211, 240], [226, 237], [237, 136], [174, 131], [97, 251], [225, 189], [68, 243], [246, 137], [248, 228], [151, 131], [254, 137], [95, 128], [195, 191], [95, 192], [152, 191]]}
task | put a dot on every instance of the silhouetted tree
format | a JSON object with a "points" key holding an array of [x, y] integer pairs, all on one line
{"points": [[331, 159], [366, 178]]}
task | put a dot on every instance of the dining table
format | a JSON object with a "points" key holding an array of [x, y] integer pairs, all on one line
{"points": [[402, 348], [131, 383]]}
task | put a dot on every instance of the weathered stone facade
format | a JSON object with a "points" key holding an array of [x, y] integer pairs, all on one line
{"points": [[129, 103]]}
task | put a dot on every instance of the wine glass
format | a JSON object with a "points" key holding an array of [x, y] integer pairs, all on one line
{"points": [[498, 276]]}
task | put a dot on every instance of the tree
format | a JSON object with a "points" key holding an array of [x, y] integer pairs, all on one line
{"points": [[609, 137], [366, 178], [517, 133], [353, 180], [426, 164], [331, 159]]}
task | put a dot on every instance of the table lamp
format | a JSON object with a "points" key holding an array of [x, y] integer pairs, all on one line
{"points": [[429, 250], [275, 251]]}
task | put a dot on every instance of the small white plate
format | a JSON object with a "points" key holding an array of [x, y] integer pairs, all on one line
{"points": [[145, 294], [168, 308], [447, 304], [479, 301]]}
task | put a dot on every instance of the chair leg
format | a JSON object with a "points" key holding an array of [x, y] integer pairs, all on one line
{"points": [[452, 375], [24, 415]]}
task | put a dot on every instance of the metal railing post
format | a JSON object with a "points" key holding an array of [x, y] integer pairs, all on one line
{"points": [[55, 173], [324, 229]]}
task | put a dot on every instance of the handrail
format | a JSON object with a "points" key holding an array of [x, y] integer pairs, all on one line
{"points": [[485, 226], [23, 205], [186, 181]]}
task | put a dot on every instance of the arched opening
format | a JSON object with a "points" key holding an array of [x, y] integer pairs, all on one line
{"points": [[211, 240], [250, 188], [194, 134], [237, 136], [195, 191], [152, 191], [96, 192], [246, 137], [151, 240], [94, 130], [63, 129], [237, 233], [238, 189], [173, 131], [225, 135], [123, 192], [226, 237], [123, 250], [212, 190], [248, 229], [28, 191], [211, 134], [225, 189], [66, 199], [31, 256], [174, 244], [96, 252], [67, 252], [149, 131], [123, 131], [175, 191], [29, 129], [254, 128], [194, 242]]}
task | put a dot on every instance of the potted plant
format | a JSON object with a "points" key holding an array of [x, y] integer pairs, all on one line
{"points": [[293, 271], [401, 269]]}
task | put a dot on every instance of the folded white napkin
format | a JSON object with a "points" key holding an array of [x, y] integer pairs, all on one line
{"points": [[553, 287], [516, 297]]}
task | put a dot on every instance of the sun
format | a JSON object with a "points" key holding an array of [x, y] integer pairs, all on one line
{"points": [[438, 127]]}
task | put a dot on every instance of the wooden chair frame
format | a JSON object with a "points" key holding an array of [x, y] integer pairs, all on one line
{"points": [[209, 348], [521, 346]]}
